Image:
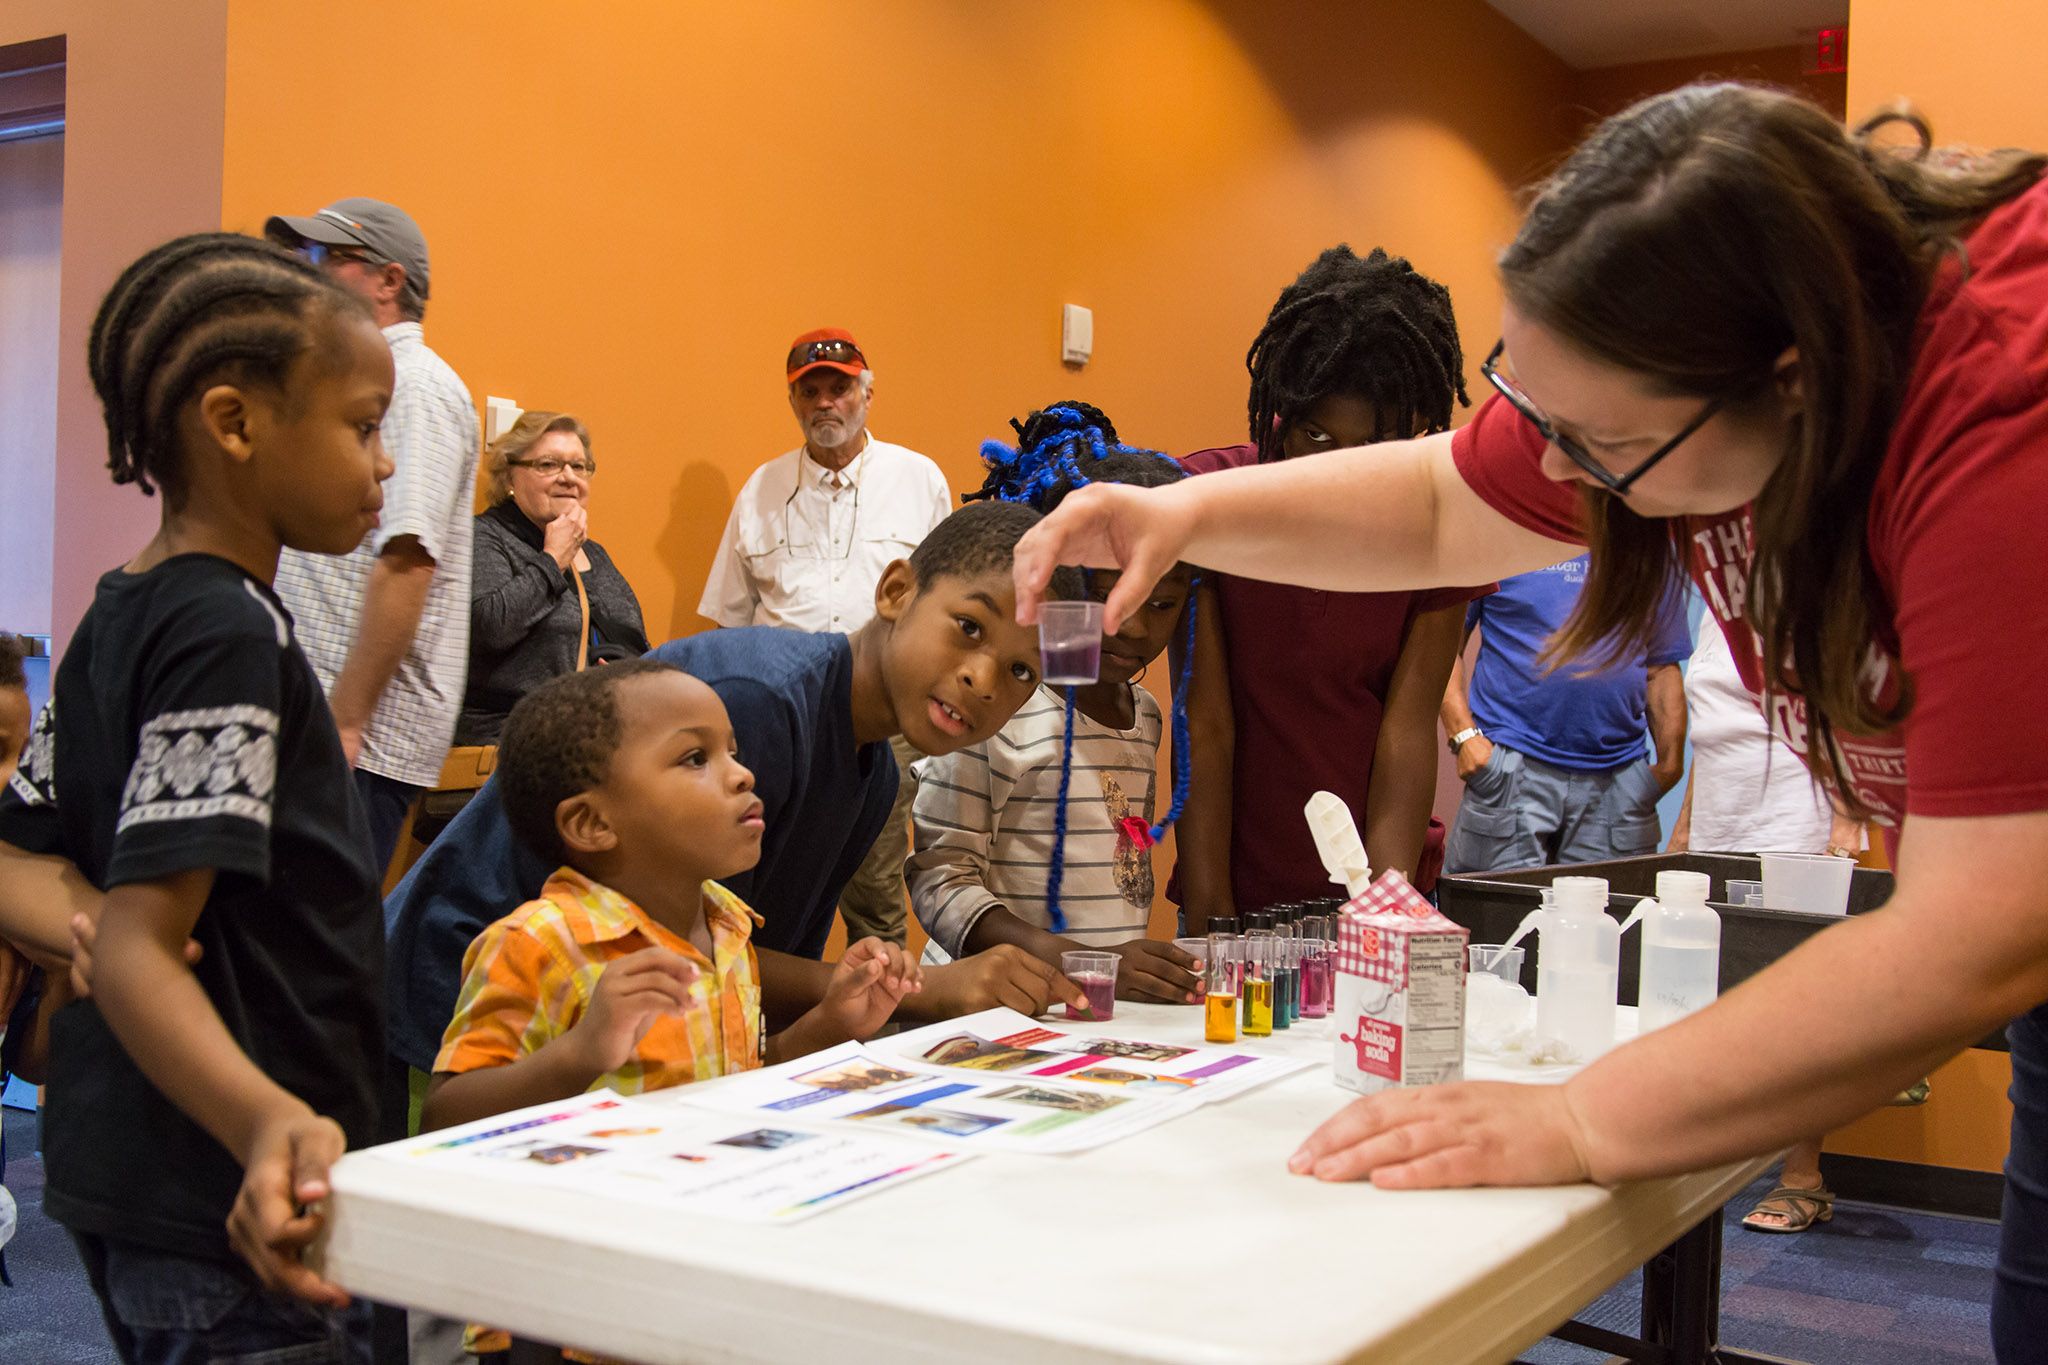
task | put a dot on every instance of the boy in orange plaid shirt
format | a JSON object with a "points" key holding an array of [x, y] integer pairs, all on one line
{"points": [[634, 969]]}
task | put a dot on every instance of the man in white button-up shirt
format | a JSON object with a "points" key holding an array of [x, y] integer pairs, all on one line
{"points": [[807, 540]]}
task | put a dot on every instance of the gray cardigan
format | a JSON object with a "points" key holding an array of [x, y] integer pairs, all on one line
{"points": [[523, 618]]}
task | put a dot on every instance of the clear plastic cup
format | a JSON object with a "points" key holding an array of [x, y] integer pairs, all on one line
{"points": [[1196, 948], [1070, 642], [1742, 892], [1817, 883], [1488, 958], [1095, 974]]}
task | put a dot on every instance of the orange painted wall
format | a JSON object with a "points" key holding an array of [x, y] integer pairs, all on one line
{"points": [[1610, 89], [632, 207], [144, 92], [1965, 1122], [1971, 66]]}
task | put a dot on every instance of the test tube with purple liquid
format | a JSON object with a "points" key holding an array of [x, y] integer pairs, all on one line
{"points": [[1316, 977]]}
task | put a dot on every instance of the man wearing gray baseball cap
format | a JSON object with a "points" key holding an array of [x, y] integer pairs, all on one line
{"points": [[387, 625]]}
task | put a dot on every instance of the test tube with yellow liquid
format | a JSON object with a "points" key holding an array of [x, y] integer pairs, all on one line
{"points": [[1257, 987], [1219, 1009]]}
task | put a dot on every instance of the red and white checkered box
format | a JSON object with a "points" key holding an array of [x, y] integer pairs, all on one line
{"points": [[1400, 1006]]}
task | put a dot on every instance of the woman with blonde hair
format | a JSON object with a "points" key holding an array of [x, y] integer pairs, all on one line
{"points": [[545, 599]]}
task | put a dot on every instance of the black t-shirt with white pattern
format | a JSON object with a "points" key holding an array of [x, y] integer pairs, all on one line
{"points": [[186, 730]]}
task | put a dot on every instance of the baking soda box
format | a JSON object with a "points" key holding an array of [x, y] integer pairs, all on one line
{"points": [[1400, 1007]]}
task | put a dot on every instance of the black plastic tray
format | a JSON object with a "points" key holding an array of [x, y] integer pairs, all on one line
{"points": [[1491, 904]]}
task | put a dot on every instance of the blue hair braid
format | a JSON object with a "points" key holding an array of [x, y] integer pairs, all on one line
{"points": [[1059, 824], [1183, 742]]}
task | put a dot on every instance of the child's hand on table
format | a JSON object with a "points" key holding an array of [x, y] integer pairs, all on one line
{"points": [[1004, 975], [867, 985], [277, 1213], [631, 994], [1156, 971]]}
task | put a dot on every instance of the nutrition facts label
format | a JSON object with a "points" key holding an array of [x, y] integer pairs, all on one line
{"points": [[1436, 1009]]}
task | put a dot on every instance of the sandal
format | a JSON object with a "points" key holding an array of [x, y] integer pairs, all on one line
{"points": [[1800, 1208]]}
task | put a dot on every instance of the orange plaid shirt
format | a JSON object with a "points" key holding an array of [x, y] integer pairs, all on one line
{"points": [[528, 978]]}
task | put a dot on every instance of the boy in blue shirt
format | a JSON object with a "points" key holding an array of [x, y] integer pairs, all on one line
{"points": [[943, 663], [1553, 760]]}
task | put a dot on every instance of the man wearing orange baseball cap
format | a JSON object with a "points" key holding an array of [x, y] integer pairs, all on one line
{"points": [[808, 538]]}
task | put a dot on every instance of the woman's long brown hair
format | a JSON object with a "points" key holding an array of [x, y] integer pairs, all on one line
{"points": [[1692, 240]]}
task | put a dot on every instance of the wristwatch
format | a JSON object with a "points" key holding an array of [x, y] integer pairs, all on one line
{"points": [[1470, 732]]}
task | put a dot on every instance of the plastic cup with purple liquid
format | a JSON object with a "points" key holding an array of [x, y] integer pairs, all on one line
{"points": [[1095, 974], [1070, 643]]}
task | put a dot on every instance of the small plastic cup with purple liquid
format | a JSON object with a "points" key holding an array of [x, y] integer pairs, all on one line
{"points": [[1095, 974], [1070, 643]]}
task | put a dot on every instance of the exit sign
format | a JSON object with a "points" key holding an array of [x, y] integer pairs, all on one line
{"points": [[1826, 51]]}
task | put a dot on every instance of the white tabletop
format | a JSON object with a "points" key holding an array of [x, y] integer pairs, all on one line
{"points": [[1188, 1242]]}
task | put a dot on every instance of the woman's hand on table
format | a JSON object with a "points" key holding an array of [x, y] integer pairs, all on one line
{"points": [[1140, 531], [1470, 1133], [1156, 972]]}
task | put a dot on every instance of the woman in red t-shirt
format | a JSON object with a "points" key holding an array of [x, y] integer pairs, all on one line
{"points": [[1298, 690], [1742, 344]]}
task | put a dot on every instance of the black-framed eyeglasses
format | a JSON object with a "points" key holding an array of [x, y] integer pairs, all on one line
{"points": [[320, 254], [547, 469], [1580, 456], [812, 352]]}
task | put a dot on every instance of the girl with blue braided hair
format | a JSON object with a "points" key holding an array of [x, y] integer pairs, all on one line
{"points": [[1041, 836]]}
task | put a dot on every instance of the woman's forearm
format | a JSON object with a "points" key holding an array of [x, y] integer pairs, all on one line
{"points": [[1387, 517]]}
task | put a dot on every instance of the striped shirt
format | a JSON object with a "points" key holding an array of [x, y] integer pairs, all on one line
{"points": [[431, 435], [529, 977], [984, 826]]}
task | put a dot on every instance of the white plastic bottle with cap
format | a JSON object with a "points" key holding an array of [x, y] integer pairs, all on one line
{"points": [[1578, 970], [1681, 949]]}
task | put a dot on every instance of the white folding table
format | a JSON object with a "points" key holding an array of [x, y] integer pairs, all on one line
{"points": [[1189, 1242]]}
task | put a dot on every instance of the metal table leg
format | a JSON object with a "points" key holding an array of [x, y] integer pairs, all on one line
{"points": [[1681, 1322]]}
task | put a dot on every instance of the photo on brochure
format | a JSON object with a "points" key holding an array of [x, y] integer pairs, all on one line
{"points": [[560, 1153], [856, 1075], [1137, 1080], [946, 1122], [766, 1139], [1117, 1047], [979, 1054], [1068, 1101]]}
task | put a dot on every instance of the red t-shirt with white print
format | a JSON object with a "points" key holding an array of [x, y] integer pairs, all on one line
{"points": [[1955, 536]]}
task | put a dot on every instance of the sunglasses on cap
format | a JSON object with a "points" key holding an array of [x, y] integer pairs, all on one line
{"points": [[833, 352], [320, 254]]}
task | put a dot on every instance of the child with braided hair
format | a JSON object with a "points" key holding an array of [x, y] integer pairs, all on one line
{"points": [[1041, 836], [186, 782], [1297, 690]]}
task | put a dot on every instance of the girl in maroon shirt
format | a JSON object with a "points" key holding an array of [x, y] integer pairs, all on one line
{"points": [[1744, 344], [1299, 690]]}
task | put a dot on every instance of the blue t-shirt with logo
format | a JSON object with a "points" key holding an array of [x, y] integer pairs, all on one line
{"points": [[1591, 722]]}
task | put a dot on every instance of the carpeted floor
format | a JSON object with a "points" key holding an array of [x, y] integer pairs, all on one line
{"points": [[1874, 1287]]}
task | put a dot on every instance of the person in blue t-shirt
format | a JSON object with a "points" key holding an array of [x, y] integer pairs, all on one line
{"points": [[1553, 759], [943, 663]]}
